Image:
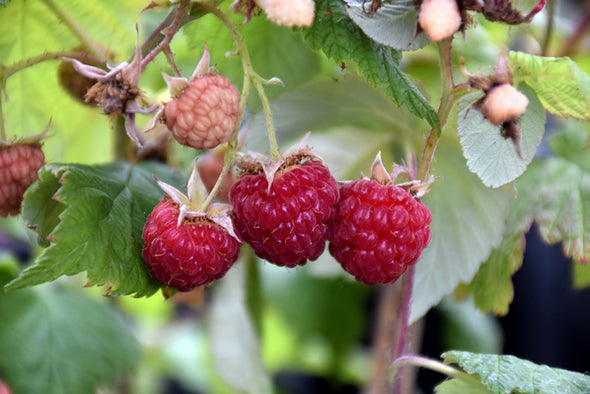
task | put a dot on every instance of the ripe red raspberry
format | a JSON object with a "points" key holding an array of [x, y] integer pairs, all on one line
{"points": [[288, 222], [206, 112], [194, 253], [19, 165], [379, 230]]}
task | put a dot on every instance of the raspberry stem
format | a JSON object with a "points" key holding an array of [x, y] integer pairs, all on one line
{"points": [[170, 32], [2, 130], [434, 365], [250, 75], [449, 97]]}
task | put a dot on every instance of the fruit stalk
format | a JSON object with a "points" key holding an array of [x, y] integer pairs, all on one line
{"points": [[435, 365], [170, 32], [404, 316], [250, 75]]}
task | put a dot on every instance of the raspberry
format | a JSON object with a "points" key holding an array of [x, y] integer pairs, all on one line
{"points": [[503, 103], [288, 222], [379, 230], [206, 112], [194, 253], [439, 18], [289, 12], [19, 165]]}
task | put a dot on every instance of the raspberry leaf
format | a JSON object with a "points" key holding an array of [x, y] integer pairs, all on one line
{"points": [[491, 288], [491, 156], [394, 24], [467, 224], [509, 374], [96, 224], [560, 84], [68, 342], [342, 40]]}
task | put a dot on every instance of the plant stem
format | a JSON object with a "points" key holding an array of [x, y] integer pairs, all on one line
{"points": [[170, 32], [79, 31], [581, 28], [450, 95], [435, 365], [250, 75], [7, 71], [549, 30], [404, 316]]}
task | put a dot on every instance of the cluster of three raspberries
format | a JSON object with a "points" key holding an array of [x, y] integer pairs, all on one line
{"points": [[286, 212]]}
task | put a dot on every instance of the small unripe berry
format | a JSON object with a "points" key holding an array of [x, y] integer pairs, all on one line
{"points": [[439, 18], [206, 112], [503, 103], [289, 12]]}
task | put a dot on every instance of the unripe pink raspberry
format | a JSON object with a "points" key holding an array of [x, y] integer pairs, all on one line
{"points": [[503, 103], [205, 114], [439, 18], [289, 12]]}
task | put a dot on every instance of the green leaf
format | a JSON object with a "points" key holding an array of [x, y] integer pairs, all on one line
{"points": [[236, 348], [338, 36], [560, 192], [467, 224], [581, 276], [394, 24], [97, 226], [560, 84], [491, 288], [348, 102], [457, 386], [67, 342], [491, 156], [508, 374], [35, 94]]}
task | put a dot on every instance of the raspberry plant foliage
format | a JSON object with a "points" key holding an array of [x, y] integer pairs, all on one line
{"points": [[362, 77]]}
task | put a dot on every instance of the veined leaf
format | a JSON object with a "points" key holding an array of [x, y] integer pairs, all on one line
{"points": [[491, 156], [491, 288], [560, 84], [338, 36], [67, 342], [560, 192], [508, 374], [468, 221], [95, 226], [394, 24]]}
